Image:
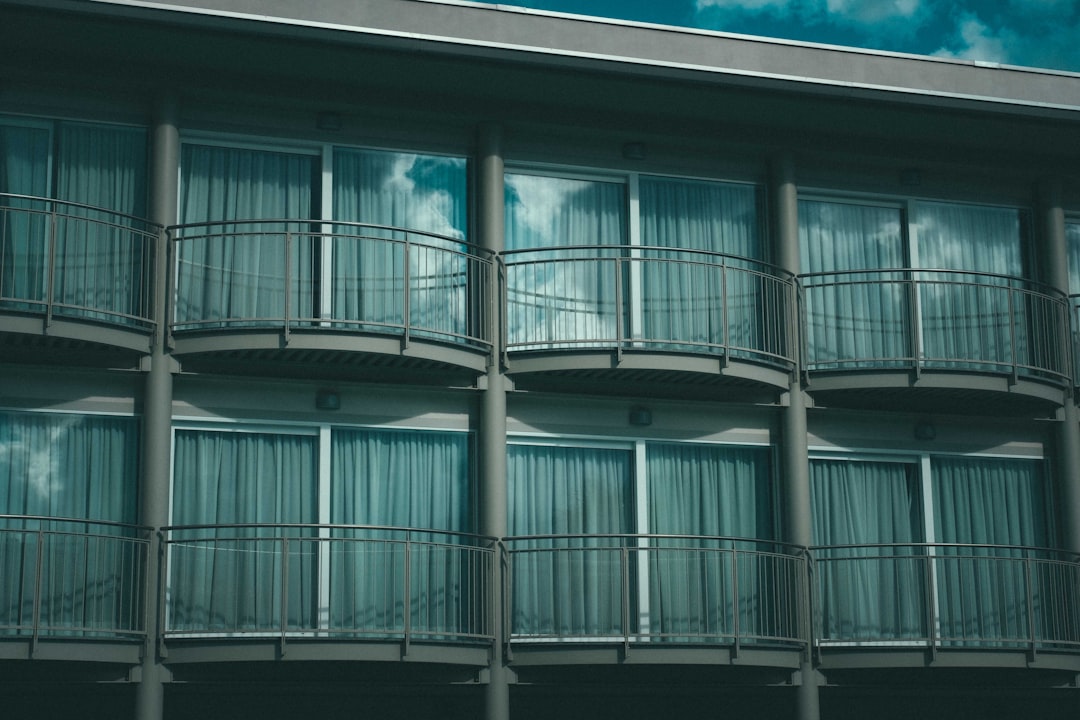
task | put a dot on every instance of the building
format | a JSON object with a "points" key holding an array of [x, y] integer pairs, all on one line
{"points": [[417, 358]]}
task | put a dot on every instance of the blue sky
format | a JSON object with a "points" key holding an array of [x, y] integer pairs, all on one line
{"points": [[1034, 33]]}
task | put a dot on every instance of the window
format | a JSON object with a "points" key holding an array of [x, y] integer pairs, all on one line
{"points": [[941, 548], [642, 540], [67, 499], [79, 254], [639, 262], [335, 530], [344, 238], [934, 284]]}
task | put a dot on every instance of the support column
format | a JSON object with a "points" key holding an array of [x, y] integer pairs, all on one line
{"points": [[493, 498], [157, 405], [1054, 262], [794, 463]]}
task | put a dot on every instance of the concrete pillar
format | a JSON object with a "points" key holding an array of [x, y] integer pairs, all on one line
{"points": [[157, 404], [493, 500], [1054, 263], [794, 464]]}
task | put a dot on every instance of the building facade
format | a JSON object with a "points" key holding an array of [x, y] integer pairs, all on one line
{"points": [[420, 358]]}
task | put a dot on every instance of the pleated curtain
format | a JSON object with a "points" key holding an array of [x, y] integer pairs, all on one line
{"points": [[24, 170], [71, 468]]}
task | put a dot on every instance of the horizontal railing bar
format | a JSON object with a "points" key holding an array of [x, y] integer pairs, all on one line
{"points": [[152, 227]]}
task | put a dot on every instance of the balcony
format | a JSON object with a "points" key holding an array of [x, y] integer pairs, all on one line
{"points": [[709, 599], [930, 338], [74, 278], [640, 315], [72, 589], [341, 296], [928, 599], [327, 592]]}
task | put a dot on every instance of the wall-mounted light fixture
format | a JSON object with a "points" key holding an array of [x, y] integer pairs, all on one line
{"points": [[327, 400], [640, 416]]}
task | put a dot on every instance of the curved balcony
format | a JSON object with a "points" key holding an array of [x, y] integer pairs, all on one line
{"points": [[648, 314], [338, 294], [927, 598], [721, 597], [951, 335], [373, 592], [74, 277], [66, 583]]}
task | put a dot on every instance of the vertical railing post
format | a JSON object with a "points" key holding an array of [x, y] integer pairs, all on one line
{"points": [[725, 319], [619, 292], [914, 311], [50, 276], [1013, 347], [284, 590], [735, 629], [406, 610], [1028, 579], [624, 572], [406, 305], [931, 603], [38, 572], [288, 282]]}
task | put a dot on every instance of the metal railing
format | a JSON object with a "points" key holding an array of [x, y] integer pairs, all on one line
{"points": [[306, 275], [72, 578], [657, 588], [658, 299], [939, 319], [948, 595], [332, 581], [1074, 337], [67, 259]]}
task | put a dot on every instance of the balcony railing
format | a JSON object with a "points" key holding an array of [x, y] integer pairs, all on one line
{"points": [[648, 298], [948, 595], [323, 581], [302, 275], [641, 588], [69, 578], [934, 319], [66, 259]]}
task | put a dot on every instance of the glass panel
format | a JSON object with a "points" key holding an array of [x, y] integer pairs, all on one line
{"points": [[569, 585], [971, 316], [872, 582], [234, 272], [78, 467], [23, 223], [983, 591], [698, 299], [101, 260], [229, 578], [572, 290], [696, 585], [855, 319], [387, 478], [421, 193]]}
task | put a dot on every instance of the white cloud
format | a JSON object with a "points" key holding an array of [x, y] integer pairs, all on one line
{"points": [[976, 41], [866, 12], [744, 4]]}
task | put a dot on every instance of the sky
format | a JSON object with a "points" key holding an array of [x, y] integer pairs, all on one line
{"points": [[1031, 33]]}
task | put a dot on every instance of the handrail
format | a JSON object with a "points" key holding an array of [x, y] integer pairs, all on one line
{"points": [[1026, 283], [711, 257], [325, 526], [427, 285], [76, 521], [113, 287], [791, 548]]}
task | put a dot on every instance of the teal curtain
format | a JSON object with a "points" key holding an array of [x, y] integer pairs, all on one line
{"points": [[878, 591], [102, 261], [563, 294], [77, 467], [696, 300], [231, 579], [853, 318], [403, 479], [234, 273], [971, 321], [711, 491], [421, 193], [570, 585], [24, 170], [983, 591]]}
